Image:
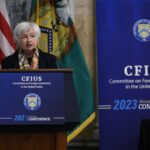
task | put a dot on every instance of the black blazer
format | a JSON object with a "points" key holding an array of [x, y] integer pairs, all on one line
{"points": [[46, 61]]}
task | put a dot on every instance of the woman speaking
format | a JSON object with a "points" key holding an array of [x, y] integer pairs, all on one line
{"points": [[27, 54]]}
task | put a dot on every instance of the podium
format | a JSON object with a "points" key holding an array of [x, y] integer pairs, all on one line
{"points": [[37, 109], [33, 141]]}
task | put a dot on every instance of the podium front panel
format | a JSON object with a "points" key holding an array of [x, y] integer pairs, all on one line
{"points": [[31, 98]]}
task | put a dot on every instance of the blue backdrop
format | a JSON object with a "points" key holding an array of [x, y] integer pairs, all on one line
{"points": [[123, 44]]}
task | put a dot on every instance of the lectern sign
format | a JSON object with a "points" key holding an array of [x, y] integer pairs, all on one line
{"points": [[31, 98]]}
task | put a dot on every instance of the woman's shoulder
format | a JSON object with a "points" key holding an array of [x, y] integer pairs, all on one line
{"points": [[46, 55], [14, 55], [10, 61], [47, 60]]}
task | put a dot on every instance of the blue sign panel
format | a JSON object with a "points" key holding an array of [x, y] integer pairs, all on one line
{"points": [[31, 98], [123, 44]]}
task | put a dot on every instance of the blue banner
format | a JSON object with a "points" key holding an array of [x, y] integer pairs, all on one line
{"points": [[30, 98], [123, 44]]}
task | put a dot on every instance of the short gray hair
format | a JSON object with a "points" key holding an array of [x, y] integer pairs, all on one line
{"points": [[23, 27]]}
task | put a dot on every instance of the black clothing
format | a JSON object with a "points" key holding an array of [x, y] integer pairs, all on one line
{"points": [[46, 61]]}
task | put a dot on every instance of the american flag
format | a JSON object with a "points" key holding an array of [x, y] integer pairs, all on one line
{"points": [[7, 44]]}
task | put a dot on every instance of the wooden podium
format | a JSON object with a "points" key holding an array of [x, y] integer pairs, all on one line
{"points": [[40, 137], [33, 141]]}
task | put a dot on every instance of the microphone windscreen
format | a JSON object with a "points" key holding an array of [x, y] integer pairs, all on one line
{"points": [[33, 50]]}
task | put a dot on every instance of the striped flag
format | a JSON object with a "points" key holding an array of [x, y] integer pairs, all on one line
{"points": [[7, 45]]}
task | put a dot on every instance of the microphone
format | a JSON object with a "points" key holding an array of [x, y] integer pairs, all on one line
{"points": [[40, 63], [35, 59], [33, 50]]}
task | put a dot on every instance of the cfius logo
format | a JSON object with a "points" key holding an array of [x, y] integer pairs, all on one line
{"points": [[141, 30], [32, 101]]}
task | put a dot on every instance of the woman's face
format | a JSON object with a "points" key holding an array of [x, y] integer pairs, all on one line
{"points": [[28, 40]]}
